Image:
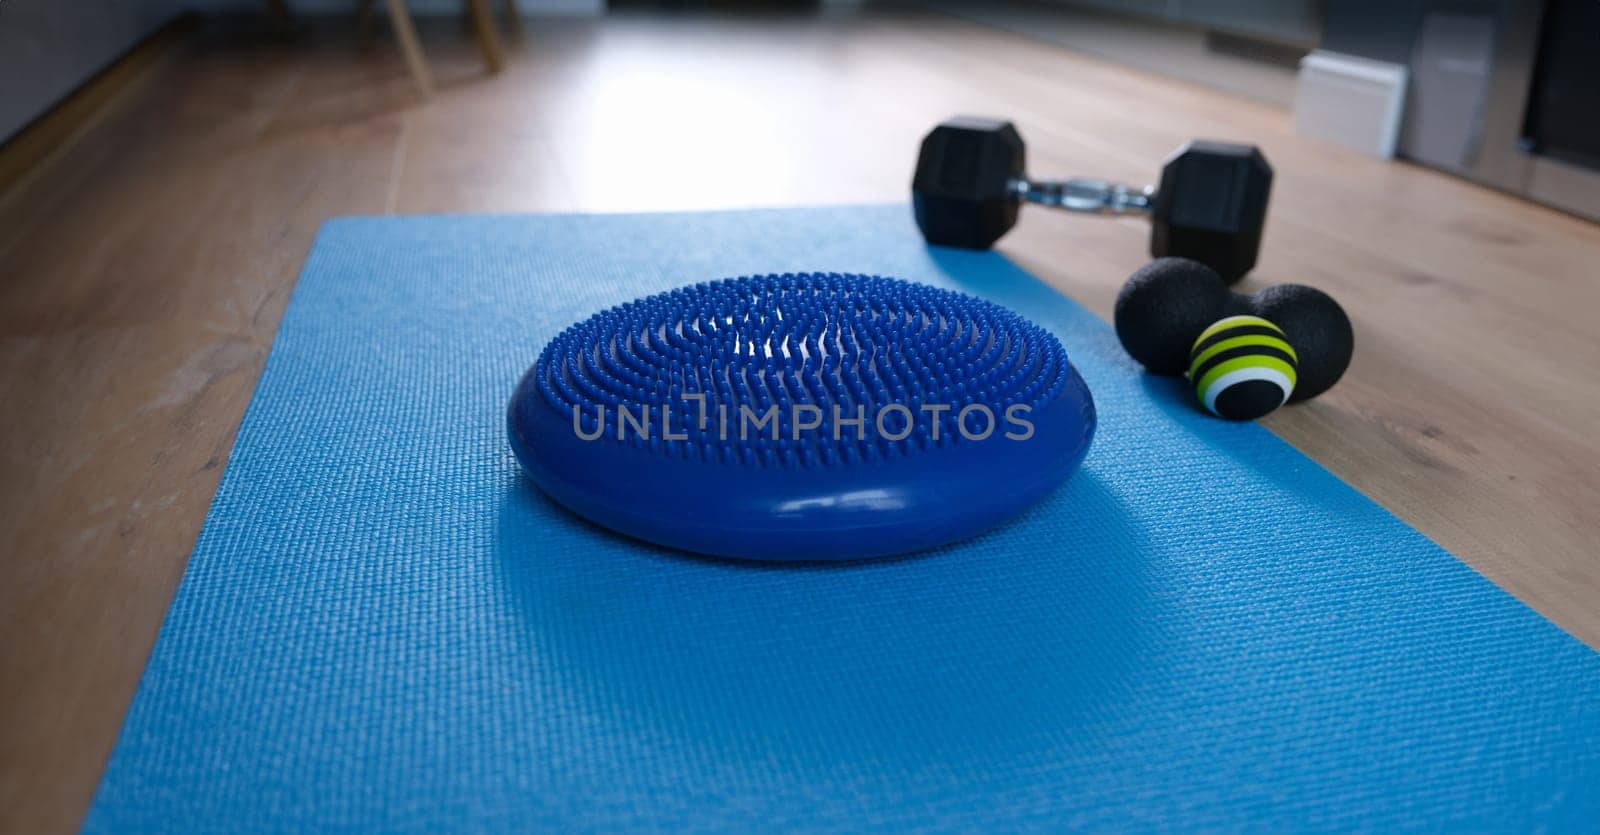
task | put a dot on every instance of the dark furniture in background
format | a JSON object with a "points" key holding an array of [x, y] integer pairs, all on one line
{"points": [[1503, 92]]}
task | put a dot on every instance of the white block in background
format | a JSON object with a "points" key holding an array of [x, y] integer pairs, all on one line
{"points": [[1355, 102]]}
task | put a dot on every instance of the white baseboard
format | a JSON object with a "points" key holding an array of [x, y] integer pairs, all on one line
{"points": [[1354, 102]]}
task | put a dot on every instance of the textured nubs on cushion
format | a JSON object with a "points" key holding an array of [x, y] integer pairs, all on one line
{"points": [[801, 416]]}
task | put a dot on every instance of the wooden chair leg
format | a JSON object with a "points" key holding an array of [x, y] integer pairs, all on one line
{"points": [[513, 18], [488, 41], [410, 46]]}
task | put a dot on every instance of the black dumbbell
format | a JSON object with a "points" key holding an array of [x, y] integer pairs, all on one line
{"points": [[1209, 206]]}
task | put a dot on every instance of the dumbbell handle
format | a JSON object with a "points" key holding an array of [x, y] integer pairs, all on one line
{"points": [[1081, 195]]}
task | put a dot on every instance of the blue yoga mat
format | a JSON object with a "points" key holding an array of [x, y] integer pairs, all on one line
{"points": [[385, 626]]}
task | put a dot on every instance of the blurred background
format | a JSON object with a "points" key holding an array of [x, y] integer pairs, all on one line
{"points": [[1498, 91]]}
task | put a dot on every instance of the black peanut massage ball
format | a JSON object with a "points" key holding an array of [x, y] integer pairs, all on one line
{"points": [[1317, 327], [1164, 306], [1244, 355]]}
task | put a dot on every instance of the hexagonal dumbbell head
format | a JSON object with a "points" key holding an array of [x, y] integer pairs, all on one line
{"points": [[961, 192], [1211, 205]]}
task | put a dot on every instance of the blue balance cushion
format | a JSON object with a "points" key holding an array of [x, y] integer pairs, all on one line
{"points": [[801, 417]]}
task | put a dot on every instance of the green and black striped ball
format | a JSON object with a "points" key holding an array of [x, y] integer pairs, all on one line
{"points": [[1243, 367]]}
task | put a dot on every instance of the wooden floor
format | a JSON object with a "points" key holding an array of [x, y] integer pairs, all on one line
{"points": [[142, 276]]}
